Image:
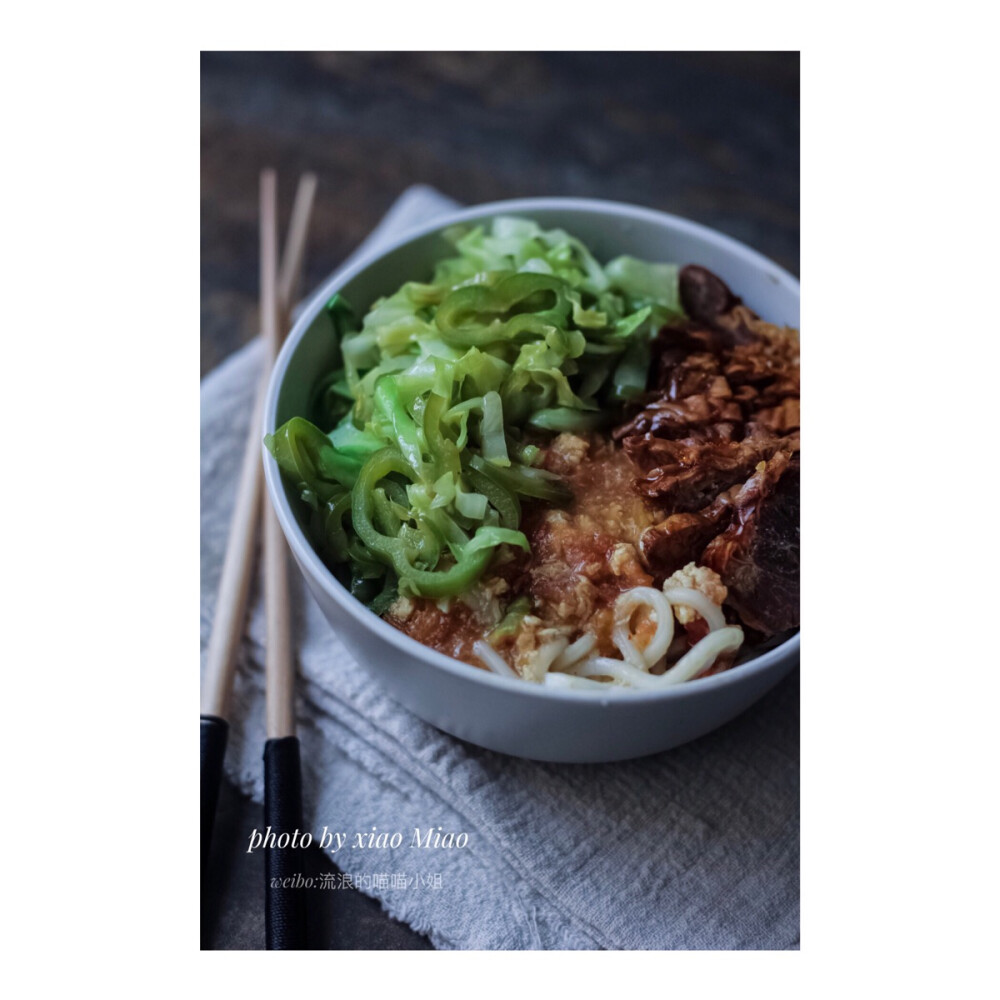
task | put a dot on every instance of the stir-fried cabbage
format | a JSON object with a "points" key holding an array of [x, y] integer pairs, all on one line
{"points": [[415, 460]]}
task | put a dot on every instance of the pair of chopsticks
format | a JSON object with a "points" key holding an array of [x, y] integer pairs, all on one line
{"points": [[285, 915]]}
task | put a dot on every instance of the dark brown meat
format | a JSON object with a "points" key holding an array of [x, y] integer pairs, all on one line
{"points": [[704, 296], [689, 473], [713, 307], [781, 419], [681, 538], [672, 417], [757, 556], [715, 440]]}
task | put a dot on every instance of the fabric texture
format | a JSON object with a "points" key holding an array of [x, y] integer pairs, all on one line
{"points": [[696, 848]]}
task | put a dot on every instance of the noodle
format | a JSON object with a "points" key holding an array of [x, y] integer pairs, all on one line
{"points": [[575, 652], [659, 606], [557, 664], [537, 664], [617, 670], [697, 601], [558, 680], [633, 670], [703, 654], [492, 659]]}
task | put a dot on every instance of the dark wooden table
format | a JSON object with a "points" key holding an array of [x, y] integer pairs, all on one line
{"points": [[710, 136]]}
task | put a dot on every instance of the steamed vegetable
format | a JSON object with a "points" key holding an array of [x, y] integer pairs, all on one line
{"points": [[414, 462]]}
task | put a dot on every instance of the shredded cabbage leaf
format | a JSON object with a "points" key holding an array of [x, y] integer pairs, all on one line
{"points": [[413, 462]]}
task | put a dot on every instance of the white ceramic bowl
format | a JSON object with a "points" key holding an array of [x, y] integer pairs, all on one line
{"points": [[503, 714]]}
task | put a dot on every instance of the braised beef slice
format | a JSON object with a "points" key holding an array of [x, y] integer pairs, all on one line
{"points": [[704, 296], [712, 306], [757, 556], [681, 538], [691, 472], [715, 438], [673, 416], [781, 419]]}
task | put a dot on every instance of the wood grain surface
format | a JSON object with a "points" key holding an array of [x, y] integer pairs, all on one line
{"points": [[713, 137]]}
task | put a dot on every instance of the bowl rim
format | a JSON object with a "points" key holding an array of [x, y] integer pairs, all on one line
{"points": [[309, 559]]}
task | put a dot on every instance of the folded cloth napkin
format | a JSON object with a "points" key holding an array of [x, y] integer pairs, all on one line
{"points": [[696, 848]]}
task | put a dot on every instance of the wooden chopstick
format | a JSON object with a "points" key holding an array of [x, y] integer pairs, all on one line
{"points": [[279, 666], [237, 568], [284, 914], [290, 272]]}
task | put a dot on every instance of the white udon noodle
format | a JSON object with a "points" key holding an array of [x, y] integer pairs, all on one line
{"points": [[492, 659], [572, 666]]}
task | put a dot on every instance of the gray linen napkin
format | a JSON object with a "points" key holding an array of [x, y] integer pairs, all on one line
{"points": [[697, 848]]}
